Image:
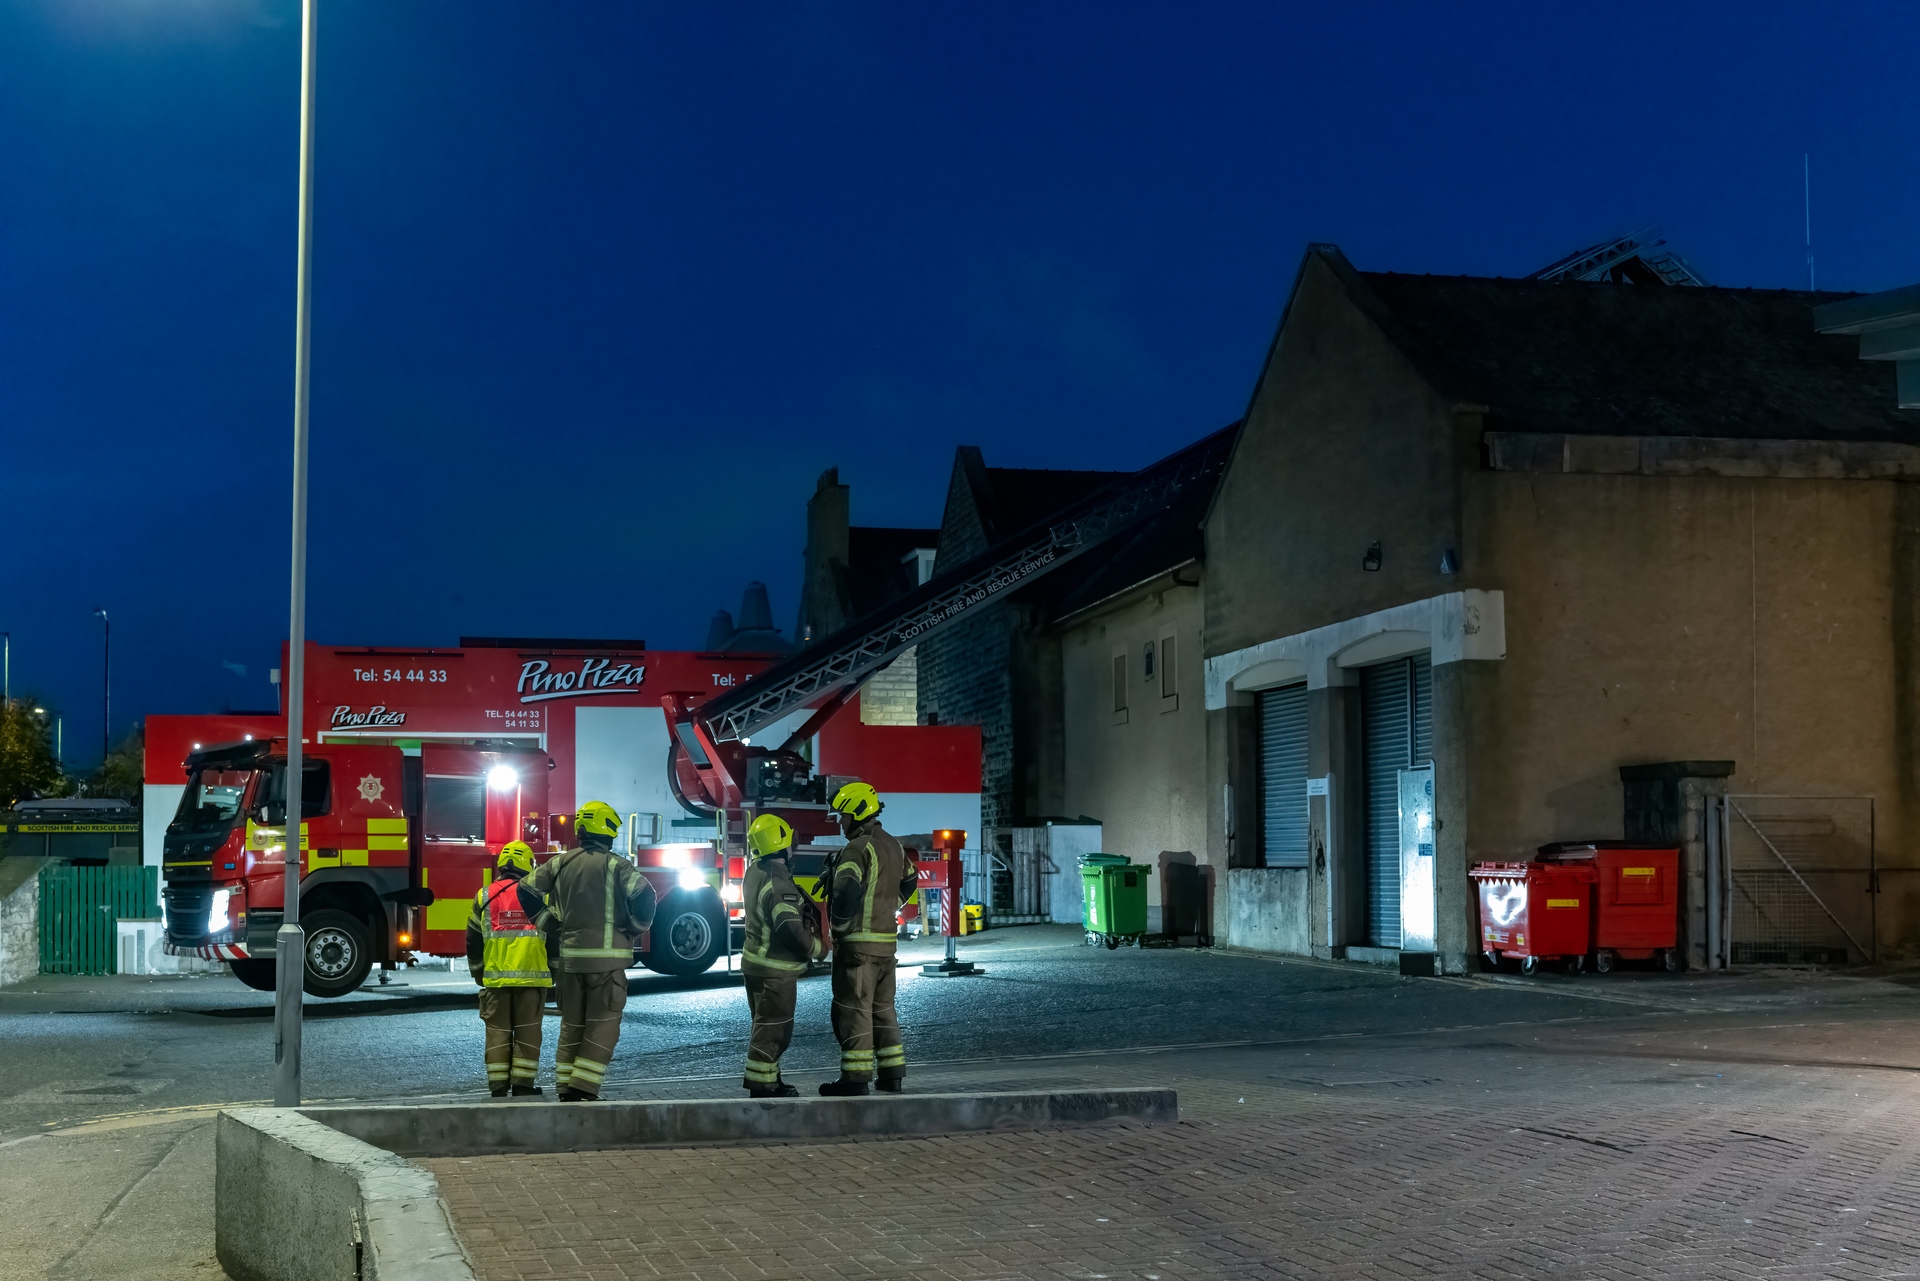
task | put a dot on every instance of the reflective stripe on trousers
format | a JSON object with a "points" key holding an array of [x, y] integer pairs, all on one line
{"points": [[770, 1000], [590, 1007]]}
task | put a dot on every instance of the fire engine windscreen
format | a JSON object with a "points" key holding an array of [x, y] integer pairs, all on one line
{"points": [[212, 801]]}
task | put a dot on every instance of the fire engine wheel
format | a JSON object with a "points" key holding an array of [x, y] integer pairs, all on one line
{"points": [[1530, 965], [339, 952], [257, 975], [688, 933]]}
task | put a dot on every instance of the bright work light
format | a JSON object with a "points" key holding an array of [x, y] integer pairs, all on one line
{"points": [[501, 778]]}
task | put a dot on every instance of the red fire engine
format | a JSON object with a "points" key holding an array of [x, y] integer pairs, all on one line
{"points": [[422, 763]]}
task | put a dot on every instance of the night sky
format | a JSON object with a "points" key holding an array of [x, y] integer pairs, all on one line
{"points": [[600, 288]]}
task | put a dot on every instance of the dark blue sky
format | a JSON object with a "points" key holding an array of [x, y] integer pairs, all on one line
{"points": [[602, 287]]}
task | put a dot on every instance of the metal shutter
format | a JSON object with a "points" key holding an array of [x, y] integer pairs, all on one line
{"points": [[1396, 709], [1283, 775]]}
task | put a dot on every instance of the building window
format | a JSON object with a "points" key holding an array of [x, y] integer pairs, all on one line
{"points": [[1168, 689], [1119, 688], [1146, 662]]}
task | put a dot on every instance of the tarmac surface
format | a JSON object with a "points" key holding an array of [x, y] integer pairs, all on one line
{"points": [[1491, 1126]]}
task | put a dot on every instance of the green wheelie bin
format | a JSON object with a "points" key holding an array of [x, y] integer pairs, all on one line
{"points": [[1116, 899]]}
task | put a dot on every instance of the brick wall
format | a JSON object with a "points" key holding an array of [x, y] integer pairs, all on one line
{"points": [[891, 695], [964, 675]]}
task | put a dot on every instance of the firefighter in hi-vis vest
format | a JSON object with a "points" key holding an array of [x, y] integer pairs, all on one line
{"points": [[508, 957], [868, 880], [782, 935], [602, 904]]}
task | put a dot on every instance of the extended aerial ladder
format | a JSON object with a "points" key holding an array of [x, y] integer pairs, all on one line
{"points": [[714, 768]]}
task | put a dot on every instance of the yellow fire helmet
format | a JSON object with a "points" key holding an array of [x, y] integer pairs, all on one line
{"points": [[515, 854], [858, 801], [597, 818], [769, 836]]}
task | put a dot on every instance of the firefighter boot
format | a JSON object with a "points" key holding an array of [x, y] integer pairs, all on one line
{"points": [[891, 1084], [521, 1091], [498, 1092], [844, 1088], [778, 1090]]}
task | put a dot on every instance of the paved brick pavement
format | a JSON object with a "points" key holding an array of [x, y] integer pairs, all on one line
{"points": [[1740, 1144]]}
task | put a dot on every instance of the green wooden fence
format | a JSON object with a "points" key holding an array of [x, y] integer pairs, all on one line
{"points": [[79, 910]]}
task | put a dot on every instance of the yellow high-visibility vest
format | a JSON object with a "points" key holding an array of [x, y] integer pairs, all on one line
{"points": [[516, 952]]}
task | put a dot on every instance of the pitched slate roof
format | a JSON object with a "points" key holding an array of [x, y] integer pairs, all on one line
{"points": [[1163, 543], [1006, 501], [1636, 360]]}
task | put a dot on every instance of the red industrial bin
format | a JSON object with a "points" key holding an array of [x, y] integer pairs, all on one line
{"points": [[1535, 912], [1636, 900]]}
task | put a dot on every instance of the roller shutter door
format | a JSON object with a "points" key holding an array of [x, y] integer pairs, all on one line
{"points": [[1396, 708], [1283, 775]]}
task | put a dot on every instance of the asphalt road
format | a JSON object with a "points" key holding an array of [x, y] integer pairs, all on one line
{"points": [[74, 1049], [108, 1086]]}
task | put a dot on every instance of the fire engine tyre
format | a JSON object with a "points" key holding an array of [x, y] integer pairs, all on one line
{"points": [[339, 952], [688, 933], [257, 975]]}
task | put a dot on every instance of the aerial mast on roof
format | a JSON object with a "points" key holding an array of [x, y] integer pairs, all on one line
{"points": [[1806, 189]]}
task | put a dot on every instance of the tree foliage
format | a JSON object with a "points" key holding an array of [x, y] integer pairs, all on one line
{"points": [[28, 767], [123, 772]]}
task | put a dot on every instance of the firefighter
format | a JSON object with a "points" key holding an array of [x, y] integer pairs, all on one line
{"points": [[782, 935], [602, 904], [507, 955], [868, 880]]}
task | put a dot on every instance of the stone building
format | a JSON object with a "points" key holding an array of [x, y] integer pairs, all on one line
{"points": [[1495, 563], [1014, 669], [1000, 668], [847, 572], [1504, 538]]}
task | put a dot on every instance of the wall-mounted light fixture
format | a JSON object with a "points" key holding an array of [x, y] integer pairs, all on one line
{"points": [[1449, 561], [1371, 561]]}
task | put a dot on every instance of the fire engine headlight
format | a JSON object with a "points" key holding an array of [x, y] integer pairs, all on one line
{"points": [[731, 893], [503, 778], [693, 880], [220, 915], [675, 858]]}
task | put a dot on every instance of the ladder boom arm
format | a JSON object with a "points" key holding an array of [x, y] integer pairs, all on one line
{"points": [[841, 661]]}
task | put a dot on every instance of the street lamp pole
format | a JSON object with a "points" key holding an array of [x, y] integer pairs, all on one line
{"points": [[290, 943], [106, 686], [6, 673]]}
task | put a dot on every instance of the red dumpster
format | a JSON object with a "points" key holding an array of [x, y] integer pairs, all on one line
{"points": [[1636, 900], [1535, 912]]}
